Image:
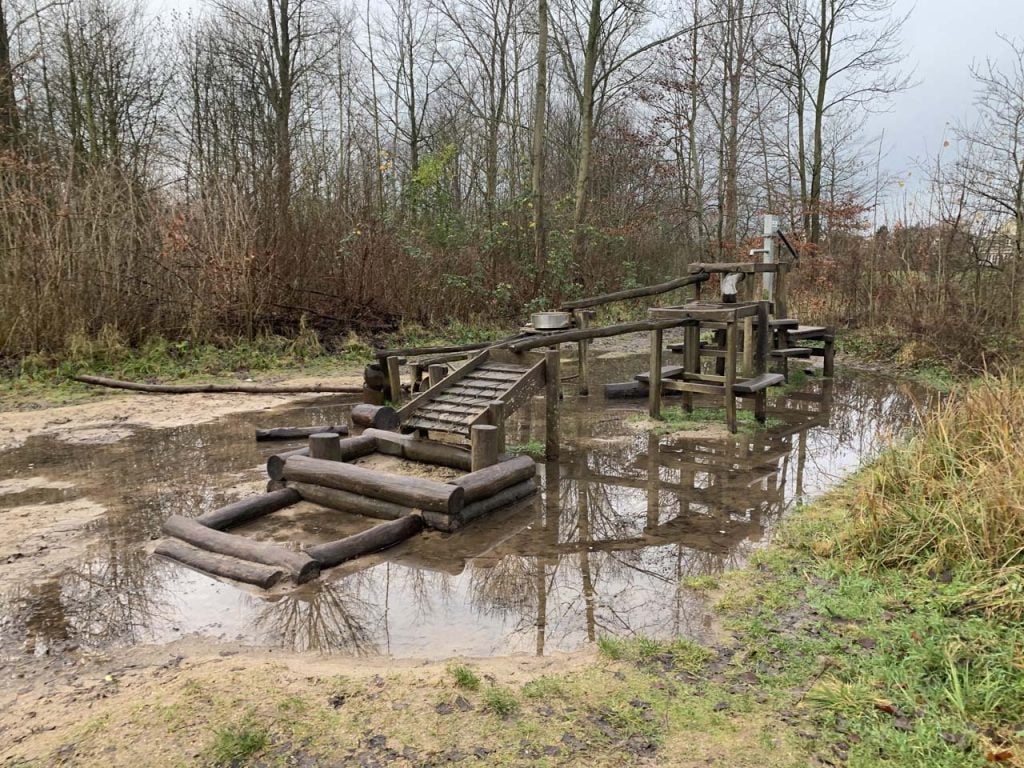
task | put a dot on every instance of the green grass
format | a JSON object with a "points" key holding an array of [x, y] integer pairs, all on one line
{"points": [[501, 701], [235, 743], [465, 677], [533, 448]]}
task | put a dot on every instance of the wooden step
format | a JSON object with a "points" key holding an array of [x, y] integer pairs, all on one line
{"points": [[758, 383], [792, 352], [807, 332], [667, 372]]}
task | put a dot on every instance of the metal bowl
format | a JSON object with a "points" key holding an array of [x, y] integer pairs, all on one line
{"points": [[551, 321]]}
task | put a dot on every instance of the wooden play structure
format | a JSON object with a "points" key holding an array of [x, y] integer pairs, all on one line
{"points": [[471, 403], [728, 347]]}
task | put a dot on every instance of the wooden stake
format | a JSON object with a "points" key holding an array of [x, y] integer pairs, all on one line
{"points": [[326, 445], [582, 352], [483, 439], [730, 376], [552, 373], [654, 394], [394, 381], [496, 415], [437, 372]]}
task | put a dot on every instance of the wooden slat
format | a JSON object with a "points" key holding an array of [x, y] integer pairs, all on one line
{"points": [[424, 397], [457, 410], [667, 372], [808, 332], [498, 376], [518, 370]]}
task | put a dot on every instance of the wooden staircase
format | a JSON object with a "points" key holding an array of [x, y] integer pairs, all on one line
{"points": [[466, 396]]}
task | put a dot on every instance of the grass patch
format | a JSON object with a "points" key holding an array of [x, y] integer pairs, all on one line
{"points": [[533, 448], [235, 743], [501, 701], [676, 419], [465, 677]]}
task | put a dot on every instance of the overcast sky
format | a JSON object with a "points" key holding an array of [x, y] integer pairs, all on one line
{"points": [[942, 38]]}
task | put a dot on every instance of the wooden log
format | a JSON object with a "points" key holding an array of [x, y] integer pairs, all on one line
{"points": [[502, 498], [394, 380], [730, 377], [489, 481], [249, 389], [374, 416], [301, 566], [583, 352], [327, 445], [373, 396], [275, 485], [634, 293], [248, 509], [262, 576], [377, 538], [413, 492], [343, 501], [552, 339], [416, 449], [654, 383], [553, 391], [296, 433], [275, 463], [483, 440], [436, 373], [496, 415]]}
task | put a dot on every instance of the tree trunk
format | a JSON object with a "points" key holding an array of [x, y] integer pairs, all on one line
{"points": [[586, 130], [540, 107], [9, 123]]}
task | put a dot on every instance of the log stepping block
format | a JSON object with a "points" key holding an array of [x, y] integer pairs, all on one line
{"points": [[758, 383]]}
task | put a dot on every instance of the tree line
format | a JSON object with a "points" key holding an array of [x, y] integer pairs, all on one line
{"points": [[238, 169]]}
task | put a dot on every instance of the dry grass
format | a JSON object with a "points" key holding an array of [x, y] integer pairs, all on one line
{"points": [[952, 498]]}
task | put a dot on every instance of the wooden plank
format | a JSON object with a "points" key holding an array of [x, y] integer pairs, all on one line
{"points": [[528, 385], [758, 383], [667, 372], [693, 387], [744, 267], [808, 332], [519, 370]]}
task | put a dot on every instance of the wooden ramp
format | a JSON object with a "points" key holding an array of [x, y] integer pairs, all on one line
{"points": [[466, 397]]}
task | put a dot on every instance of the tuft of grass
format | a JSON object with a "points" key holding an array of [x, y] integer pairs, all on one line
{"points": [[237, 742], [465, 677], [949, 500], [544, 688], [677, 419], [702, 583], [678, 652], [501, 701], [532, 448]]}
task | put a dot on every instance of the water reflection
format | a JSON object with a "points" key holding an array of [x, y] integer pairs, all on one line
{"points": [[624, 520]]}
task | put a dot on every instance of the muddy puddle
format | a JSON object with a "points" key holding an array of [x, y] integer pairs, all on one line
{"points": [[626, 520]]}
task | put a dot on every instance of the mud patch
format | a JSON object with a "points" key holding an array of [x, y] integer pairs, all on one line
{"points": [[38, 540]]}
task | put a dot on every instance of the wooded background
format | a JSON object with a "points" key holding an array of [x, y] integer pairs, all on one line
{"points": [[231, 172]]}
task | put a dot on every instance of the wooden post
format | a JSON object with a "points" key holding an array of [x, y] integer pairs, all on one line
{"points": [[552, 374], [730, 376], [764, 336], [781, 304], [325, 445], [483, 440], [437, 372], [496, 415], [828, 357], [394, 380], [749, 345], [654, 384], [691, 360], [582, 352]]}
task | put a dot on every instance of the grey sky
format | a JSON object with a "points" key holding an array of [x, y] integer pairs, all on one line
{"points": [[942, 38]]}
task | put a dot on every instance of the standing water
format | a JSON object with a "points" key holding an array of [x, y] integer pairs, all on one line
{"points": [[625, 521]]}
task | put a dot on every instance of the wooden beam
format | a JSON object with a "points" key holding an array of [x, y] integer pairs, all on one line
{"points": [[249, 508], [375, 539], [633, 293]]}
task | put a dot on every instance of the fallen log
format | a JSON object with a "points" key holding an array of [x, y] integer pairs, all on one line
{"points": [[300, 565], [413, 492], [296, 433], [248, 509], [503, 498], [416, 449], [379, 537], [343, 501], [490, 480], [263, 576], [249, 389]]}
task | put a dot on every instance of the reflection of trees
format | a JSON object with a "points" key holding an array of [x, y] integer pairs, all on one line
{"points": [[327, 617], [104, 600]]}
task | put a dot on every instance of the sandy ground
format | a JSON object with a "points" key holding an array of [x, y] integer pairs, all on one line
{"points": [[115, 417]]}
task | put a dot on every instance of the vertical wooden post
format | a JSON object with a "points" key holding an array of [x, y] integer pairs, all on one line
{"points": [[828, 357], [691, 360], [749, 345], [730, 375], [764, 335], [654, 382], [325, 445], [583, 351], [552, 374], [496, 415], [483, 442], [436, 373], [781, 304], [394, 380]]}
